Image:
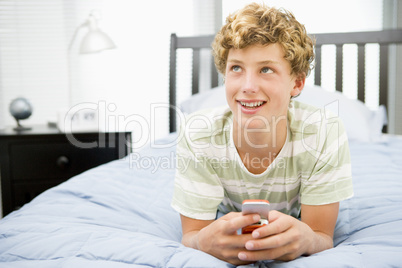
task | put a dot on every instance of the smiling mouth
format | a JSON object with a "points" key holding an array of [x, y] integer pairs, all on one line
{"points": [[251, 105]]}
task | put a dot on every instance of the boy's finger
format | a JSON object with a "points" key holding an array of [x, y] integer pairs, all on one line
{"points": [[278, 223], [230, 216], [241, 221]]}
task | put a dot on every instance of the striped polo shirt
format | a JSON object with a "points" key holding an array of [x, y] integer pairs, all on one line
{"points": [[313, 167]]}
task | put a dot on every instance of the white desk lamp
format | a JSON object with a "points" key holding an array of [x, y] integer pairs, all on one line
{"points": [[94, 41]]}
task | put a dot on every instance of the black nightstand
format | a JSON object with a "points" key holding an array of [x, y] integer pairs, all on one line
{"points": [[35, 160]]}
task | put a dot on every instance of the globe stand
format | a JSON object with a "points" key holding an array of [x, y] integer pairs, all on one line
{"points": [[19, 127]]}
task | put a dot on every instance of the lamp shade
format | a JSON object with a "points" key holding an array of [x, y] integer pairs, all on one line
{"points": [[95, 40]]}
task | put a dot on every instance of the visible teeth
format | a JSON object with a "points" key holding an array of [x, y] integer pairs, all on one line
{"points": [[251, 104]]}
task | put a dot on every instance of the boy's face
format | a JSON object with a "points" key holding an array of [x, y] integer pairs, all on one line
{"points": [[259, 85]]}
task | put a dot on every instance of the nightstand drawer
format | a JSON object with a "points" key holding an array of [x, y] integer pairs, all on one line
{"points": [[44, 160]]}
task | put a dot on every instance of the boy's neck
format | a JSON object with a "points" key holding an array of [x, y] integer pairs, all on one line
{"points": [[259, 146]]}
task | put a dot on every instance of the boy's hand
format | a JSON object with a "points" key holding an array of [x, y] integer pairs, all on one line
{"points": [[220, 238], [284, 238]]}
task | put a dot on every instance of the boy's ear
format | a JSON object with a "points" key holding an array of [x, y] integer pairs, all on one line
{"points": [[298, 85]]}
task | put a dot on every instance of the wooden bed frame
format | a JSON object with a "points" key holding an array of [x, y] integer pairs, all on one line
{"points": [[384, 38]]}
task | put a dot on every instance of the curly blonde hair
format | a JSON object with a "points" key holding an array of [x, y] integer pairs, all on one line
{"points": [[259, 24]]}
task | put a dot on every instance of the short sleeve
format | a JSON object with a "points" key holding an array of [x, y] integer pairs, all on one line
{"points": [[330, 180], [197, 188]]}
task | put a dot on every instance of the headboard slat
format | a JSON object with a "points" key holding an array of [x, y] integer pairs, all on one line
{"points": [[339, 68], [214, 74], [172, 83], [317, 67], [196, 71], [384, 55], [361, 71]]}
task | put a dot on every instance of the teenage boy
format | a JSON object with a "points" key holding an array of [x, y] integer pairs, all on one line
{"points": [[265, 146]]}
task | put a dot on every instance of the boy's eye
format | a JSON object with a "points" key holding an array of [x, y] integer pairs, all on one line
{"points": [[236, 68], [266, 70]]}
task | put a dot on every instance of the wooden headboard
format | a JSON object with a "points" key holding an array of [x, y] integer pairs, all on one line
{"points": [[383, 38]]}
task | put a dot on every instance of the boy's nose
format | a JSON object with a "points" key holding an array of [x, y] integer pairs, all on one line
{"points": [[250, 85]]}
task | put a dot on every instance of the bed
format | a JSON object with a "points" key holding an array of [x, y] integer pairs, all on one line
{"points": [[119, 214]]}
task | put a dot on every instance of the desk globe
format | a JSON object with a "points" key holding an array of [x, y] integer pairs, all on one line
{"points": [[20, 109]]}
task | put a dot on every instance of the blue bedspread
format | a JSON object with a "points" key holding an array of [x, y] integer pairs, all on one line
{"points": [[119, 215]]}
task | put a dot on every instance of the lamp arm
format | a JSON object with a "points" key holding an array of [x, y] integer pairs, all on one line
{"points": [[75, 35], [70, 89]]}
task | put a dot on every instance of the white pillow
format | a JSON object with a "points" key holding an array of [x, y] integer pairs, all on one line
{"points": [[215, 97], [361, 123]]}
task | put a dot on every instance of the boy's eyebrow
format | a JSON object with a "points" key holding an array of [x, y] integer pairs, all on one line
{"points": [[267, 62], [234, 61], [264, 62]]}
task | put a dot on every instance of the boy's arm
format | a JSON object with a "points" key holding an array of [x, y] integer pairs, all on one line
{"points": [[190, 228], [322, 220]]}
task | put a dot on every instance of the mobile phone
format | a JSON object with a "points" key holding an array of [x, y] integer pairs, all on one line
{"points": [[258, 206]]}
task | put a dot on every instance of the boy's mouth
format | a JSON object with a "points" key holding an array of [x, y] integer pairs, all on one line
{"points": [[251, 104]]}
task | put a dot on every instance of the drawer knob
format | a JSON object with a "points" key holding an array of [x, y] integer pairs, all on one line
{"points": [[63, 162]]}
